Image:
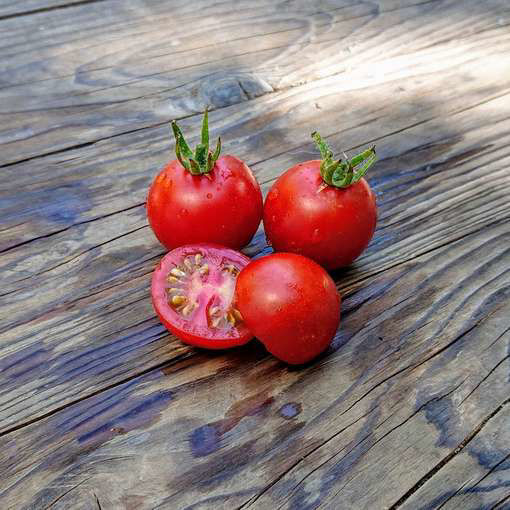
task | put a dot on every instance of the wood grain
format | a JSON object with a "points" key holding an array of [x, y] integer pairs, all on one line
{"points": [[113, 67], [434, 186], [109, 176], [101, 408], [15, 8], [477, 476], [403, 389]]}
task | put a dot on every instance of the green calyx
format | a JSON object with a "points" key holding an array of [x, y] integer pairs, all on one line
{"points": [[342, 174], [203, 160]]}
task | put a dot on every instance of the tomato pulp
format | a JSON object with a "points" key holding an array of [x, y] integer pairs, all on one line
{"points": [[193, 293], [290, 304]]}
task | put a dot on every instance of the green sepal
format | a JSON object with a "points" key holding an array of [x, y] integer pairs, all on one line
{"points": [[217, 151], [342, 174], [194, 167], [201, 153], [202, 161]]}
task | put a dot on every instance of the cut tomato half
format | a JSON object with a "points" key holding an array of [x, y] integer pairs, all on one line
{"points": [[193, 293]]}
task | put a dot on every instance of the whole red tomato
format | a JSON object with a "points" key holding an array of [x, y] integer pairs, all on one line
{"points": [[193, 293], [290, 304], [203, 197], [324, 210]]}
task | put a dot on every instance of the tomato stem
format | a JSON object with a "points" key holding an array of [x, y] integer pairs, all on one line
{"points": [[342, 174], [203, 160]]}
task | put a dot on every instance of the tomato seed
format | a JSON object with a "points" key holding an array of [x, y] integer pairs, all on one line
{"points": [[216, 321], [177, 272], [188, 309], [178, 300], [214, 310], [231, 269]]}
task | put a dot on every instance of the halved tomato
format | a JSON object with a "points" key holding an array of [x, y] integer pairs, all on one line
{"points": [[193, 293]]}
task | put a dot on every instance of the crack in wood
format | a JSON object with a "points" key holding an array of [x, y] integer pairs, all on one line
{"points": [[453, 495], [97, 502], [301, 459], [500, 503], [423, 406], [164, 364], [66, 493], [48, 9], [485, 377], [424, 479], [88, 144], [23, 243], [492, 469]]}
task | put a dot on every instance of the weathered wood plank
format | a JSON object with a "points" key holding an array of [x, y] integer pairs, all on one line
{"points": [[478, 476], [12, 8], [436, 182], [403, 409], [76, 186], [404, 387], [114, 67]]}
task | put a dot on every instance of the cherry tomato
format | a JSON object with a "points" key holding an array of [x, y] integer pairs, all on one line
{"points": [[291, 305], [202, 197], [193, 293], [322, 211]]}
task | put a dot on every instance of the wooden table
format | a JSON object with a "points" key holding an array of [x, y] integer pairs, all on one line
{"points": [[101, 408]]}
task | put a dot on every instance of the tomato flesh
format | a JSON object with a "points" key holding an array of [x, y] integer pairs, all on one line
{"points": [[291, 304], [193, 293], [223, 206], [330, 225]]}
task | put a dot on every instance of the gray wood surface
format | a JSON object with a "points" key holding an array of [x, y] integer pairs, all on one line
{"points": [[16, 8], [73, 76], [101, 408]]}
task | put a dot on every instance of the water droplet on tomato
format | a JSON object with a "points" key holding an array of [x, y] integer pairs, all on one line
{"points": [[209, 195], [316, 235]]}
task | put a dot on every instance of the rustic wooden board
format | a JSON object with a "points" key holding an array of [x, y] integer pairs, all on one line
{"points": [[434, 186], [15, 8], [478, 476], [101, 69], [101, 408], [75, 186], [417, 378]]}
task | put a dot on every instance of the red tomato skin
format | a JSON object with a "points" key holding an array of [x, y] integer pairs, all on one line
{"points": [[166, 315], [332, 226], [222, 207], [290, 304]]}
